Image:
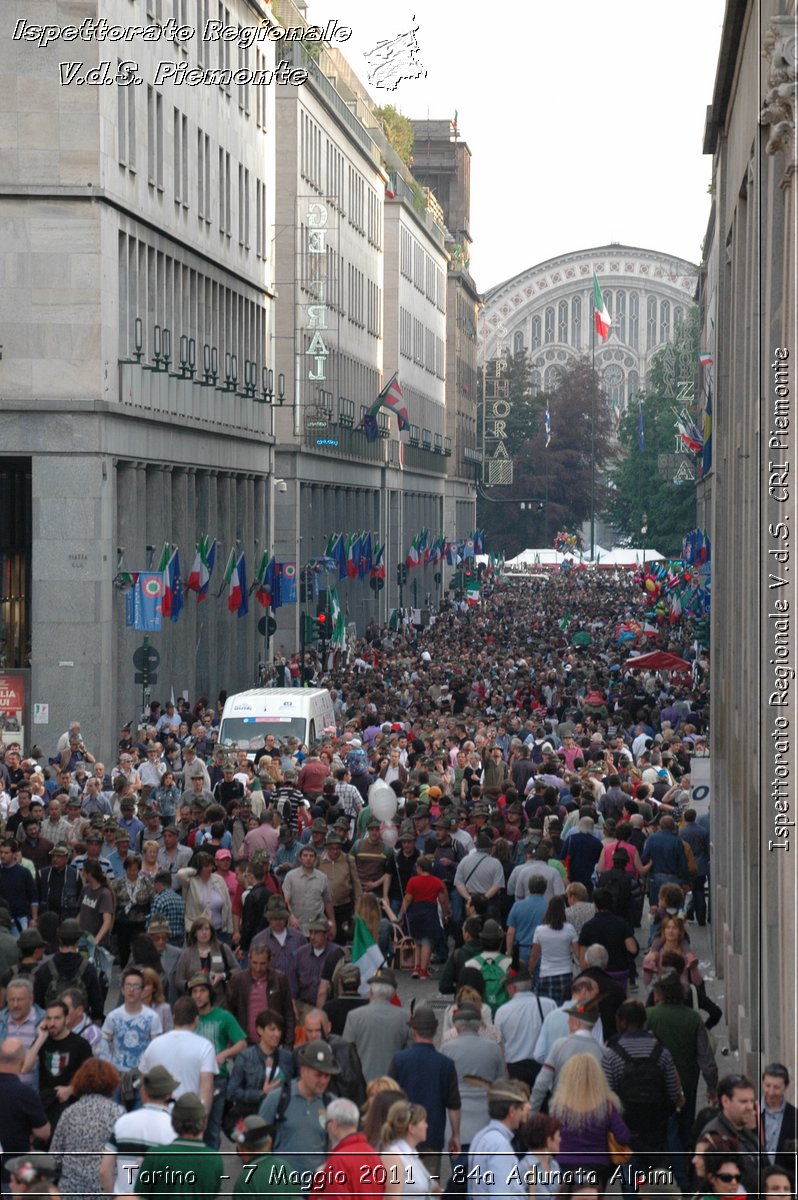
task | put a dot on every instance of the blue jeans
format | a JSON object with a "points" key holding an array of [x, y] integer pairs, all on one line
{"points": [[213, 1130]]}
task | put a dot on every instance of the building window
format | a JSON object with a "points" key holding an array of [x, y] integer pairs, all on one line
{"points": [[203, 176], [203, 16], [562, 322], [225, 198], [243, 206], [536, 333], [678, 316], [534, 382], [552, 376], [651, 322], [620, 316], [613, 386], [665, 321], [576, 322], [634, 320], [126, 124], [180, 155], [632, 385], [518, 342], [549, 324], [154, 138]]}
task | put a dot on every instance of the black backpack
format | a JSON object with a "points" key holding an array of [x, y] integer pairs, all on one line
{"points": [[642, 1089], [59, 983]]}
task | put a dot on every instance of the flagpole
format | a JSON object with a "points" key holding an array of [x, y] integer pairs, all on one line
{"points": [[593, 440]]}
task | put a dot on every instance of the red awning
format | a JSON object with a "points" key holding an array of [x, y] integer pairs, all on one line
{"points": [[657, 660]]}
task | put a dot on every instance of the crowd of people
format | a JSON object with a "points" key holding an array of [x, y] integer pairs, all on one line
{"points": [[447, 949]]}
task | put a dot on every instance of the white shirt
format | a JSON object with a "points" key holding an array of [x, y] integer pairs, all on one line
{"points": [[520, 1021], [555, 949], [491, 1158], [147, 1126], [184, 1054], [415, 1177]]}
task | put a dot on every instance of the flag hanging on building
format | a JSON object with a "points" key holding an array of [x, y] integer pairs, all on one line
{"points": [[705, 358], [413, 555], [148, 596], [378, 565], [353, 555], [264, 581], [706, 460], [199, 576], [366, 555], [337, 619], [233, 583], [600, 314], [243, 607], [288, 583], [391, 398], [371, 427], [172, 602], [547, 425]]}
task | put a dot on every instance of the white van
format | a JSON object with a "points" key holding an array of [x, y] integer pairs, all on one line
{"points": [[302, 713]]}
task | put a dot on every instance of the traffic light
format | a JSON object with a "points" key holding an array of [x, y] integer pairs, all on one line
{"points": [[468, 576], [322, 625], [401, 574], [315, 628]]}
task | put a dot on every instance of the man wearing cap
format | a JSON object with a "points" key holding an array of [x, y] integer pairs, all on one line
{"points": [[311, 969], [193, 767], [298, 1108], [348, 998], [32, 1173], [480, 874], [187, 1167], [478, 1062], [372, 857], [520, 1021], [342, 875], [306, 891], [93, 853], [31, 947], [265, 1173], [582, 1018], [228, 1040], [68, 968], [379, 1029], [491, 1157], [279, 937], [159, 932], [59, 884], [429, 1078]]}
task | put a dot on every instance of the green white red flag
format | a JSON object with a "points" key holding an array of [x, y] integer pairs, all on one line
{"points": [[600, 314]]}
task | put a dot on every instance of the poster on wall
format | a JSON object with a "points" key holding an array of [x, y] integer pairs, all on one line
{"points": [[12, 706]]}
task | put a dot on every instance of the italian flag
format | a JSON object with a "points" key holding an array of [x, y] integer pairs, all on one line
{"points": [[233, 583], [366, 954], [413, 554], [600, 314]]}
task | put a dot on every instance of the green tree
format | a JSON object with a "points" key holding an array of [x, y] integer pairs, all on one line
{"points": [[637, 484], [555, 482], [398, 130]]}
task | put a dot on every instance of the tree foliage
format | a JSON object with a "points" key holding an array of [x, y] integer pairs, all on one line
{"points": [[637, 485], [398, 130], [553, 482]]}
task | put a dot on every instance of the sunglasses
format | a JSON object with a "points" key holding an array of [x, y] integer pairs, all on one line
{"points": [[728, 1176]]}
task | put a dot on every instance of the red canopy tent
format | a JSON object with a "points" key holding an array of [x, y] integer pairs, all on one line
{"points": [[657, 660]]}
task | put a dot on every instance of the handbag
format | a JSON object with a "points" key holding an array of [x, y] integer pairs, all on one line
{"points": [[619, 1152], [404, 952]]}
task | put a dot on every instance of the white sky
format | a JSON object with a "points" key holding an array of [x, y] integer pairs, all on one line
{"points": [[585, 120]]}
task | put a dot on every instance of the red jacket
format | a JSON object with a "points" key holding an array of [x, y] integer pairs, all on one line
{"points": [[352, 1169]]}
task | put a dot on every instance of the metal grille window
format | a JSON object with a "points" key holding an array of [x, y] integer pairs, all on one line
{"points": [[562, 330], [536, 333], [651, 322], [634, 319], [576, 321], [619, 321], [549, 325], [665, 321]]}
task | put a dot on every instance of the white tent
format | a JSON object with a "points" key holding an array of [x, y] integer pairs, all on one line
{"points": [[549, 557], [633, 557]]}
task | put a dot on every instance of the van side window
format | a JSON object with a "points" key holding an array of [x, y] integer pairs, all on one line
{"points": [[311, 733]]}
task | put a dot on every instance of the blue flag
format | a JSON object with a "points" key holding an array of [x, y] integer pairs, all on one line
{"points": [[147, 602], [371, 427], [287, 576]]}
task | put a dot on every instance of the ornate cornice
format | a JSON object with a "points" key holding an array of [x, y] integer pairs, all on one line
{"points": [[780, 48]]}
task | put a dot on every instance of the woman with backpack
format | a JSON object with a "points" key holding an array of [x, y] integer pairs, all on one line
{"points": [[555, 947]]}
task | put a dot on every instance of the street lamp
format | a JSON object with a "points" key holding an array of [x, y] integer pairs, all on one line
{"points": [[643, 532]]}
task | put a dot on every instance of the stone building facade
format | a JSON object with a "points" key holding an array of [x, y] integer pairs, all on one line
{"points": [[749, 325], [137, 301]]}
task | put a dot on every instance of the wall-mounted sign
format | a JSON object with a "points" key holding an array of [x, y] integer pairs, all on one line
{"points": [[498, 463]]}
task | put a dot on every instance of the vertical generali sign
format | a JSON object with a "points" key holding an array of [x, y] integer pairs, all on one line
{"points": [[319, 294]]}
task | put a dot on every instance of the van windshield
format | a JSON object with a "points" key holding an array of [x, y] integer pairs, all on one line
{"points": [[249, 733]]}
